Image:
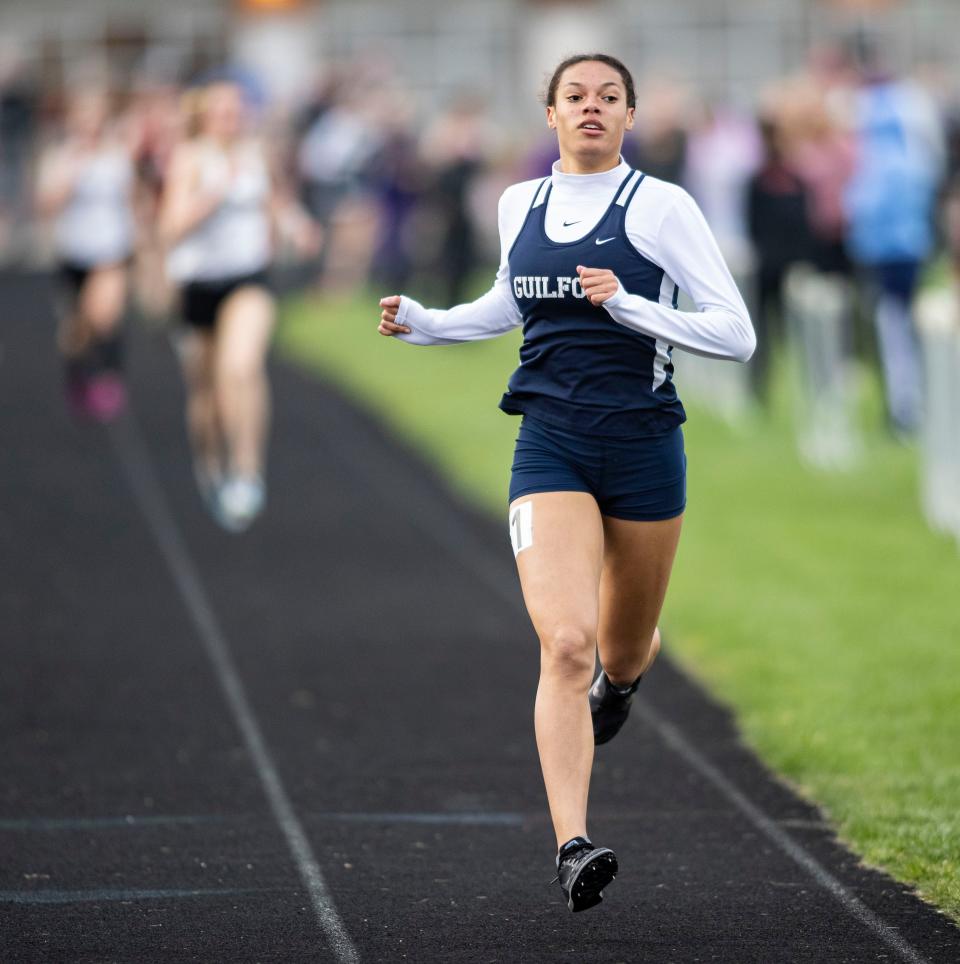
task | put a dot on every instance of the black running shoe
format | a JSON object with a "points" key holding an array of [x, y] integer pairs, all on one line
{"points": [[609, 707], [583, 871]]}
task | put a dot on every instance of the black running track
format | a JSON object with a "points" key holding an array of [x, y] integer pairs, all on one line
{"points": [[314, 742]]}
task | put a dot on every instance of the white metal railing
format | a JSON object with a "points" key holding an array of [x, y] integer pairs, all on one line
{"points": [[938, 324], [818, 310]]}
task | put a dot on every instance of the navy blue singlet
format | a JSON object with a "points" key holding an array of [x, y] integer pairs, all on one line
{"points": [[579, 369]]}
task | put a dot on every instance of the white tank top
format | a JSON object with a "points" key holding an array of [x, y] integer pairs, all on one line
{"points": [[235, 239], [95, 227]]}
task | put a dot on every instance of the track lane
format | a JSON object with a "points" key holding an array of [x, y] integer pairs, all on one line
{"points": [[389, 677]]}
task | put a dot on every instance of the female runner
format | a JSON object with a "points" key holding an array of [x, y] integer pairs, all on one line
{"points": [[86, 182], [217, 213], [591, 261]]}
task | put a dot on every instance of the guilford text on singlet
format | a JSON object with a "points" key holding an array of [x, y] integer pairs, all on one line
{"points": [[542, 286]]}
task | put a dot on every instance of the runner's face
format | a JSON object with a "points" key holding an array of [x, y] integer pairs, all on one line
{"points": [[223, 112], [590, 114]]}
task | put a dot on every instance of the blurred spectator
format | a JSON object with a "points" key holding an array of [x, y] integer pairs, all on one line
{"points": [[658, 145], [334, 161], [456, 148], [823, 153], [398, 178], [952, 137], [889, 203], [723, 150], [778, 221], [820, 295], [18, 104], [86, 182], [951, 227], [319, 98], [157, 123]]}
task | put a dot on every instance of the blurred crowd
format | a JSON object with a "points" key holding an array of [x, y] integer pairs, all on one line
{"points": [[835, 199]]}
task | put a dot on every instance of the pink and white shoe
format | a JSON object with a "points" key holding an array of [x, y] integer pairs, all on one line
{"points": [[106, 397]]}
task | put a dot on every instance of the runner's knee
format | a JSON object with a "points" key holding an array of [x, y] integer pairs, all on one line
{"points": [[101, 303], [239, 367], [568, 653]]}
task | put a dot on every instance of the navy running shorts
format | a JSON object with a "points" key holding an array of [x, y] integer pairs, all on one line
{"points": [[643, 478]]}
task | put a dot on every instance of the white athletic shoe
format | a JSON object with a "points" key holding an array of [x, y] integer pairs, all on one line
{"points": [[208, 482], [240, 499]]}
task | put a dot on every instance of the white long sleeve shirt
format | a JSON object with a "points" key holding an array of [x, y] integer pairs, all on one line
{"points": [[663, 223]]}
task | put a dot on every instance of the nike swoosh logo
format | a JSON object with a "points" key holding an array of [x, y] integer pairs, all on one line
{"points": [[567, 224], [605, 240]]}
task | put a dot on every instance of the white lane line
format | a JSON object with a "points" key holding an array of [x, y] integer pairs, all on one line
{"points": [[449, 533], [102, 896], [125, 822], [478, 818], [148, 494], [492, 819], [853, 905]]}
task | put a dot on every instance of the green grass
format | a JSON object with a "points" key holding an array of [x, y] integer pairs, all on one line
{"points": [[819, 606]]}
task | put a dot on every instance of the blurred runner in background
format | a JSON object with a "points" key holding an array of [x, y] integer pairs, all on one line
{"points": [[86, 182], [218, 211]]}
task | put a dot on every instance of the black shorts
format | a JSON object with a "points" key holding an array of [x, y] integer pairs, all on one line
{"points": [[74, 275], [200, 301]]}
